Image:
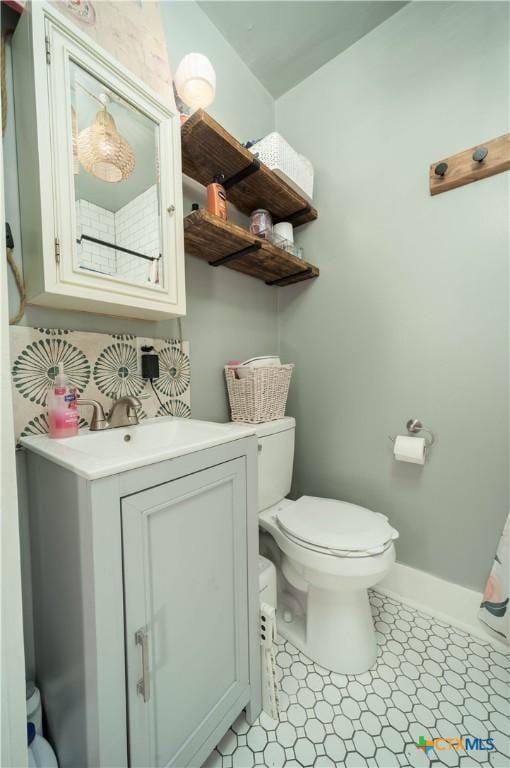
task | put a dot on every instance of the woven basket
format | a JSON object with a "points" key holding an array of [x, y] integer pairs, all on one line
{"points": [[261, 396], [292, 167]]}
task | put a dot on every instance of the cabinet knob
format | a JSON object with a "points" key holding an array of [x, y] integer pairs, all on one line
{"points": [[480, 154], [171, 209], [441, 169]]}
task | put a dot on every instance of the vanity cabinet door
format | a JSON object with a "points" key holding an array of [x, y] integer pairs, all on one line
{"points": [[185, 594]]}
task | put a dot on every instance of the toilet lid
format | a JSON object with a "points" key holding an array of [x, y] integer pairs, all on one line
{"points": [[336, 525]]}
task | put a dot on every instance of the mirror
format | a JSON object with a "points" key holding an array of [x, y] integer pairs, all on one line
{"points": [[116, 183]]}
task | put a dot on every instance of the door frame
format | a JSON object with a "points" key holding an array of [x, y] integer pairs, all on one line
{"points": [[13, 737]]}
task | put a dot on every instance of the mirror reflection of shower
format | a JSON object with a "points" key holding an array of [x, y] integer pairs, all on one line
{"points": [[116, 182]]}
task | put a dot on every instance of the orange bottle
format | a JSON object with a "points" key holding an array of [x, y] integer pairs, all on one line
{"points": [[217, 198]]}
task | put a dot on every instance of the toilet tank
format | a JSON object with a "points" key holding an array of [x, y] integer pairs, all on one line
{"points": [[276, 457]]}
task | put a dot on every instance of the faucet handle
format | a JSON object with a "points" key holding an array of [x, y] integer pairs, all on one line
{"points": [[98, 420]]}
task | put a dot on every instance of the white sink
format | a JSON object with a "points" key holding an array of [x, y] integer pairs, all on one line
{"points": [[99, 454]]}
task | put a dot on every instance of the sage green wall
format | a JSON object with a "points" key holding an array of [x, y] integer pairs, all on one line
{"points": [[409, 317], [228, 315]]}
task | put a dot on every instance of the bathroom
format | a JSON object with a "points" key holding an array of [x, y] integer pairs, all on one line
{"points": [[399, 315]]}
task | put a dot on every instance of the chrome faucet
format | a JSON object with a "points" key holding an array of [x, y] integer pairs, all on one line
{"points": [[98, 420], [123, 412]]}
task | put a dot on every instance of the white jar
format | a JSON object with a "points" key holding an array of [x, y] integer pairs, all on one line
{"points": [[285, 229]]}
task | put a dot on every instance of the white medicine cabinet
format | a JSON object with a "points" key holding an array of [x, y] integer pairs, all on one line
{"points": [[100, 177]]}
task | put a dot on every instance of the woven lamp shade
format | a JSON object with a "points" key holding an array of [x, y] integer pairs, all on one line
{"points": [[103, 152]]}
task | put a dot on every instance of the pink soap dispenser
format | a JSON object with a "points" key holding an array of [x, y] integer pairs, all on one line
{"points": [[62, 410]]}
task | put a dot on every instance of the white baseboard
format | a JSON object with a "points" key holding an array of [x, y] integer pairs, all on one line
{"points": [[443, 599]]}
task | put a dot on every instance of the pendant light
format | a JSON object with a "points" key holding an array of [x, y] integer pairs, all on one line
{"points": [[103, 152], [195, 81]]}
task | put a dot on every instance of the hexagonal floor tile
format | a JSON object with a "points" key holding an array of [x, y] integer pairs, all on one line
{"points": [[350, 708], [370, 724], [296, 715], [298, 670], [392, 739], [243, 758], [355, 760], [331, 694], [356, 691], [290, 685], [401, 701], [314, 681], [274, 755], [334, 747], [286, 735], [499, 703], [315, 730], [500, 722], [305, 752], [397, 719], [343, 727], [381, 688], [306, 698], [257, 738], [364, 744], [324, 712]]}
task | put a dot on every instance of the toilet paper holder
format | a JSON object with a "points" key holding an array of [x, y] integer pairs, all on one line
{"points": [[414, 426]]}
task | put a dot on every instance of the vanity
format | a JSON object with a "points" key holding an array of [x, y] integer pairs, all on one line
{"points": [[145, 573]]}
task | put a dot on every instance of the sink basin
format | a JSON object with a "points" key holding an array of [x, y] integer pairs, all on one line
{"points": [[99, 454]]}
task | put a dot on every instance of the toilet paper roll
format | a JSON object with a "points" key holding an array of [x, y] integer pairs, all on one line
{"points": [[411, 449]]}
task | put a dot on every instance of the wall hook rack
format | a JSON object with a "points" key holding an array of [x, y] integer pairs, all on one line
{"points": [[470, 165]]}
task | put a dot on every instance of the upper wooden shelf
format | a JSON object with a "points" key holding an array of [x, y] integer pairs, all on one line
{"points": [[209, 150], [222, 243]]}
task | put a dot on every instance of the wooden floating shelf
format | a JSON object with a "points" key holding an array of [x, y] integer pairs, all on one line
{"points": [[208, 150], [221, 243]]}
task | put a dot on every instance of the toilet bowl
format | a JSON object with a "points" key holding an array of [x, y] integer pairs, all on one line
{"points": [[328, 553]]}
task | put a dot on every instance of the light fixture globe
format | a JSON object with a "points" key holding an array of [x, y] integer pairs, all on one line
{"points": [[195, 81], [103, 152]]}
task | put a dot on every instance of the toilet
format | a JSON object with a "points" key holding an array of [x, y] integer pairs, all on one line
{"points": [[327, 553]]}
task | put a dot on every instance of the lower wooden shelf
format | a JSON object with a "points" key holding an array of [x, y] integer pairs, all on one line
{"points": [[222, 243]]}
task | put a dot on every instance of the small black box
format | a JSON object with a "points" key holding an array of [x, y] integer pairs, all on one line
{"points": [[150, 366]]}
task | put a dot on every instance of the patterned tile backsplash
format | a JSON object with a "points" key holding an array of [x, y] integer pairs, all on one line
{"points": [[101, 366]]}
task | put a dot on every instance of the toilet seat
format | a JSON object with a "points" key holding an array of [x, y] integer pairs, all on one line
{"points": [[337, 528]]}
